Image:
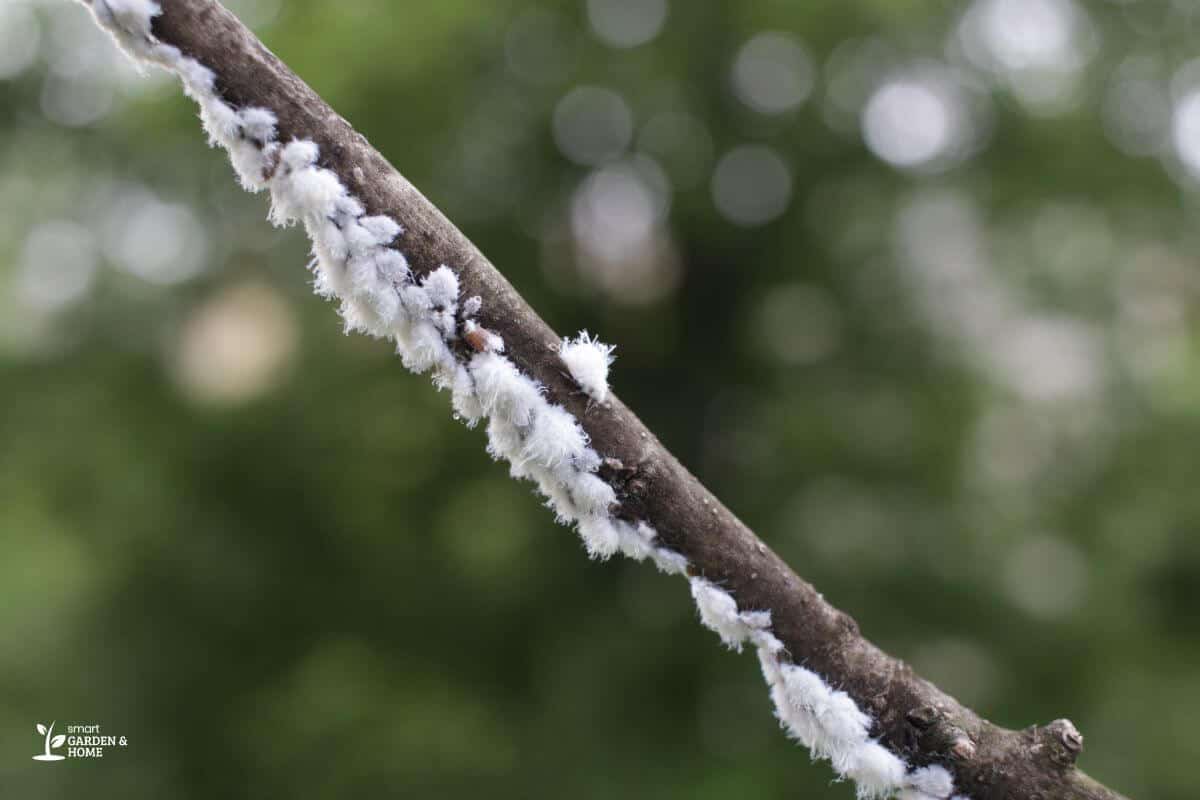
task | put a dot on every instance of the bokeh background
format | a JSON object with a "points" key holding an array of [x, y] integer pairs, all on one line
{"points": [[913, 287]]}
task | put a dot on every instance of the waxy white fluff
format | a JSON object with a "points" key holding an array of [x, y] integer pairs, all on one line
{"points": [[503, 391], [358, 266], [825, 720], [554, 439], [932, 781], [588, 360]]}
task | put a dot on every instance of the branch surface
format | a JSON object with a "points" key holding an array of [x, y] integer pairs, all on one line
{"points": [[911, 717]]}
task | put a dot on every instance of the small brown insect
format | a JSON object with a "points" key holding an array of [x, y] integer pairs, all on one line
{"points": [[270, 164], [480, 339]]}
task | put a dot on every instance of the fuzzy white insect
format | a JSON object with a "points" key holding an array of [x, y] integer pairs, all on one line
{"points": [[592, 495], [588, 360], [600, 536], [555, 439], [504, 392], [358, 265], [932, 781], [719, 612]]}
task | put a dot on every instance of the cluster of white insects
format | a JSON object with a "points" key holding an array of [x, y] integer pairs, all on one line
{"points": [[358, 264]]}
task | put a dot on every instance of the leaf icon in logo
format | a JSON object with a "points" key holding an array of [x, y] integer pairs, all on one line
{"points": [[57, 741], [41, 729]]}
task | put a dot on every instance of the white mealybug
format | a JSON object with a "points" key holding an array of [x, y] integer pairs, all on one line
{"points": [[588, 360]]}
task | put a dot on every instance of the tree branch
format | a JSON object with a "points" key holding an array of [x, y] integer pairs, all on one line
{"points": [[803, 636]]}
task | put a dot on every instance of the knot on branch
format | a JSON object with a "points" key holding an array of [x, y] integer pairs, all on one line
{"points": [[923, 717], [1059, 742], [938, 734]]}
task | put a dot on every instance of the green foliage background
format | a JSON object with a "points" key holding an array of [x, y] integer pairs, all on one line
{"points": [[321, 587]]}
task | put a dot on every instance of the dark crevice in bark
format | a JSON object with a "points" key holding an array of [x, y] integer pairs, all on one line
{"points": [[912, 717]]}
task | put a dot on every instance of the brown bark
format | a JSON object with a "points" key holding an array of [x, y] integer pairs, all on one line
{"points": [[912, 717]]}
